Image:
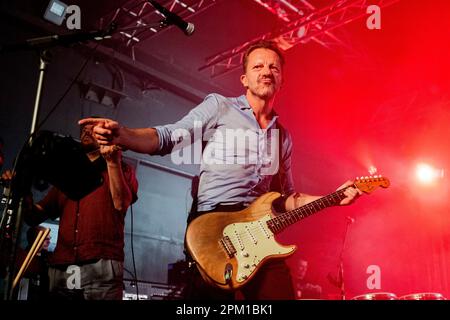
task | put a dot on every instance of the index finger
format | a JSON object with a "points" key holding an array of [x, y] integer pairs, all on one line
{"points": [[91, 121]]}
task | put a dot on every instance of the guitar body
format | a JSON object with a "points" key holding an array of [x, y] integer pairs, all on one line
{"points": [[234, 243]]}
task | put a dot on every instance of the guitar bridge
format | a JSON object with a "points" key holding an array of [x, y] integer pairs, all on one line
{"points": [[228, 246]]}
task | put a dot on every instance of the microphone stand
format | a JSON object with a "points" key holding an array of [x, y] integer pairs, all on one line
{"points": [[10, 236], [10, 226], [340, 279]]}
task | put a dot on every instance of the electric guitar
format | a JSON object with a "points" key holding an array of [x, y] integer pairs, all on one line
{"points": [[230, 247]]}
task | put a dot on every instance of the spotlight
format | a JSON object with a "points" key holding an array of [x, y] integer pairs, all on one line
{"points": [[372, 170], [55, 12], [301, 32], [426, 174]]}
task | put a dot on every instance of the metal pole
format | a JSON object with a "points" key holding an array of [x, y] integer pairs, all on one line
{"points": [[44, 60]]}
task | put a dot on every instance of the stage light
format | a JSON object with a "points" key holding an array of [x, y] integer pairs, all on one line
{"points": [[372, 170], [301, 32], [427, 174], [55, 12]]}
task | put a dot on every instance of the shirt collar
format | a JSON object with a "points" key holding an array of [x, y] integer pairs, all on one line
{"points": [[244, 105], [243, 102]]}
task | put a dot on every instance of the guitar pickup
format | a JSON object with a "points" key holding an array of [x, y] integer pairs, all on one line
{"points": [[228, 246]]}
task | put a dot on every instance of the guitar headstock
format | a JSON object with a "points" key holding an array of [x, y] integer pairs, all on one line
{"points": [[368, 184]]}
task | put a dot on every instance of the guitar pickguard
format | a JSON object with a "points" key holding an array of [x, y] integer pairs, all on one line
{"points": [[253, 242]]}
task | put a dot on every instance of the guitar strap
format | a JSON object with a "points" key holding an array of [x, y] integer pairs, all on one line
{"points": [[279, 177], [277, 183]]}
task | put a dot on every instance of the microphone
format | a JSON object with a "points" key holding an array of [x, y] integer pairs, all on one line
{"points": [[350, 219], [56, 39], [187, 27]]}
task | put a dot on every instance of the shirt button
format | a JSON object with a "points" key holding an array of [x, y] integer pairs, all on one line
{"points": [[76, 231]]}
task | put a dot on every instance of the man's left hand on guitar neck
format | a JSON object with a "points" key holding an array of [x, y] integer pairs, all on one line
{"points": [[352, 193], [297, 199]]}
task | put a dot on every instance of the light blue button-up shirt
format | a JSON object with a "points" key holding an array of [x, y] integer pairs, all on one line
{"points": [[237, 158]]}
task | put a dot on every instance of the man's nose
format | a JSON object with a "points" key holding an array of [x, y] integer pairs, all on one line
{"points": [[266, 70]]}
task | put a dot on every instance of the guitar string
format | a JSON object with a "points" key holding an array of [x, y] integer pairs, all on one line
{"points": [[286, 217], [258, 231], [298, 214]]}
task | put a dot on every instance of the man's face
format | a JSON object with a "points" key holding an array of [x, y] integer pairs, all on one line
{"points": [[263, 77], [87, 140]]}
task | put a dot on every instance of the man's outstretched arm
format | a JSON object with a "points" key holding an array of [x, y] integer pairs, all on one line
{"points": [[109, 132]]}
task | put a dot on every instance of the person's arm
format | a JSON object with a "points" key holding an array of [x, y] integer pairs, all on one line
{"points": [[142, 140], [161, 139], [108, 132], [119, 189], [297, 199]]}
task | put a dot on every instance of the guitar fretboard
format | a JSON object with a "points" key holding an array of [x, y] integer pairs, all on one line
{"points": [[282, 221]]}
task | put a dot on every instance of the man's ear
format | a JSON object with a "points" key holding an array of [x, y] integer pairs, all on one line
{"points": [[244, 80]]}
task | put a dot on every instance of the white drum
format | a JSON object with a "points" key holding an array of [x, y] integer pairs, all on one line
{"points": [[423, 296], [376, 296]]}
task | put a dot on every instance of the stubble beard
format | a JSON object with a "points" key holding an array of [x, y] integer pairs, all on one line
{"points": [[265, 92]]}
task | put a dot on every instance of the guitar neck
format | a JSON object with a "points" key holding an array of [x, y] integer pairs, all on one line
{"points": [[282, 221]]}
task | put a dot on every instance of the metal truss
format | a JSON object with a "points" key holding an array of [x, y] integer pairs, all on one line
{"points": [[287, 10], [292, 10], [301, 25], [138, 20]]}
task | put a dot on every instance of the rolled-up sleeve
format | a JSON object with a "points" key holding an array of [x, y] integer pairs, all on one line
{"points": [[192, 126]]}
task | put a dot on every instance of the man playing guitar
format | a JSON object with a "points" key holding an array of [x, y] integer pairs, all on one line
{"points": [[233, 177]]}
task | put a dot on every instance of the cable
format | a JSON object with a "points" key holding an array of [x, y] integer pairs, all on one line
{"points": [[130, 273], [132, 253]]}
